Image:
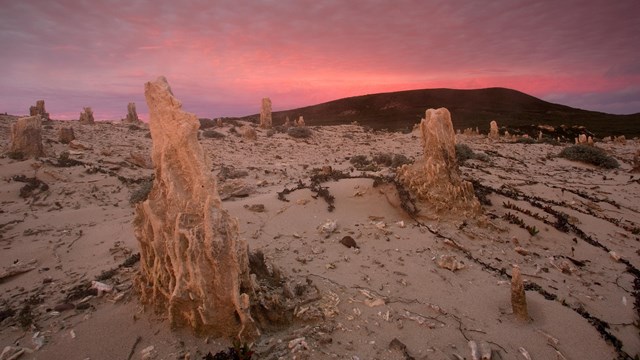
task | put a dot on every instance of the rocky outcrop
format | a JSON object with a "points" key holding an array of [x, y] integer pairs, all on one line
{"points": [[132, 115], [248, 132], [26, 137], [194, 266], [494, 133], [435, 179], [86, 116], [265, 114], [39, 110], [66, 135], [300, 121]]}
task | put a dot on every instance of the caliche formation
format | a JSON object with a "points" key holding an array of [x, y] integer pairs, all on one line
{"points": [[435, 179], [194, 267], [26, 137], [39, 110], [132, 114], [265, 114], [86, 116]]}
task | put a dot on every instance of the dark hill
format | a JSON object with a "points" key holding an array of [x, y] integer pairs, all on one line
{"points": [[469, 108]]}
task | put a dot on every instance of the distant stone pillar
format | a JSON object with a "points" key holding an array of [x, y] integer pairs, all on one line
{"points": [[300, 121], [493, 130], [132, 115], [26, 137], [39, 110], [435, 179], [194, 265], [86, 116], [265, 114]]}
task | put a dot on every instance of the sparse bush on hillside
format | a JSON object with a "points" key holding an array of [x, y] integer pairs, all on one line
{"points": [[589, 154], [362, 163], [526, 140], [142, 193], [391, 160], [300, 132], [212, 134], [206, 123], [464, 153]]}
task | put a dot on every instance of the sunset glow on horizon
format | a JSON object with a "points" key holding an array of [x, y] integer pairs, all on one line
{"points": [[222, 57]]}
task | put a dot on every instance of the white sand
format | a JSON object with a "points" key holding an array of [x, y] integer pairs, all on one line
{"points": [[81, 226]]}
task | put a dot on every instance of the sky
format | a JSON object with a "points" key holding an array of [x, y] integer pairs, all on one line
{"points": [[222, 57]]}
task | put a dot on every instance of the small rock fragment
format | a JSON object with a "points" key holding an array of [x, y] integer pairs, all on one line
{"points": [[522, 251], [328, 227], [450, 262], [524, 353], [349, 242], [614, 255], [255, 207], [374, 302], [101, 287], [148, 353]]}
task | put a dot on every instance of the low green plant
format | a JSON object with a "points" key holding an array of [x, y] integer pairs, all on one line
{"points": [[590, 155]]}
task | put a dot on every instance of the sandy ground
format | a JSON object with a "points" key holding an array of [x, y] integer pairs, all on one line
{"points": [[386, 299]]}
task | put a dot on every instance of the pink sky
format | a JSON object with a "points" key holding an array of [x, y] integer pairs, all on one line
{"points": [[222, 57]]}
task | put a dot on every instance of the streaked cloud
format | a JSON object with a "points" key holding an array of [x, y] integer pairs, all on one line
{"points": [[222, 57]]}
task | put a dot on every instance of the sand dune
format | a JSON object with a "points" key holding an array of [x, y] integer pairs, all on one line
{"points": [[387, 298]]}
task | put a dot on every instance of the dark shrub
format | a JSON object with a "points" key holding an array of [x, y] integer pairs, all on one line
{"points": [[391, 160], [464, 153], [206, 123], [212, 134], [385, 159], [142, 192], [300, 132], [590, 155], [526, 140]]}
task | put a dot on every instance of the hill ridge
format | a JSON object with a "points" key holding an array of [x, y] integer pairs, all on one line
{"points": [[469, 108]]}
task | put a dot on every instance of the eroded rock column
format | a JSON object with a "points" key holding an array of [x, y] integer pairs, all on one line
{"points": [[435, 179], [194, 267], [39, 110], [132, 114], [26, 137], [494, 134], [265, 114], [86, 116]]}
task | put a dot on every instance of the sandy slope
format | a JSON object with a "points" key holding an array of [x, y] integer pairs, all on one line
{"points": [[391, 287]]}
